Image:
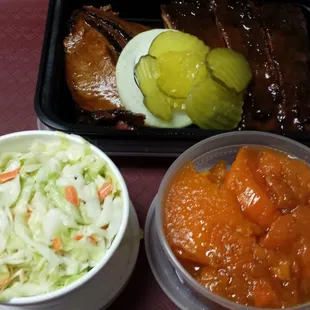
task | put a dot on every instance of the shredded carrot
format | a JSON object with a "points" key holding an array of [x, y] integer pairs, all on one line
{"points": [[78, 237], [105, 227], [28, 213], [57, 244], [72, 195], [105, 190], [92, 239], [8, 176], [4, 282]]}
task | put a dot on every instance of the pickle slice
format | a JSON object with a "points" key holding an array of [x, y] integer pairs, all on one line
{"points": [[158, 104], [179, 71], [230, 67], [177, 41], [212, 106]]}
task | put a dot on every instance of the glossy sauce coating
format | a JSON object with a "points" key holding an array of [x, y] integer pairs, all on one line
{"points": [[245, 233], [90, 68], [92, 48]]}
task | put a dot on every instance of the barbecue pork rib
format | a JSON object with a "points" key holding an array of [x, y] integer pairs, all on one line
{"points": [[97, 37], [286, 29], [241, 30], [194, 18], [274, 40]]}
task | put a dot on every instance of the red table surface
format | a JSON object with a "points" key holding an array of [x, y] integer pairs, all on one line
{"points": [[22, 24]]}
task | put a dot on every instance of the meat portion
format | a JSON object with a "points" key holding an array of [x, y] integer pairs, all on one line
{"points": [[274, 40], [286, 29], [240, 28], [92, 48], [97, 37], [118, 31], [272, 37], [120, 119], [194, 18]]}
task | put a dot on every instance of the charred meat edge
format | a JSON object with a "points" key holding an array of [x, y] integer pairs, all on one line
{"points": [[112, 118], [236, 21], [193, 17], [106, 31], [289, 22]]}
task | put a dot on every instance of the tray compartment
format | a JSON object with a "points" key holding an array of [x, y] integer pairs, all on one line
{"points": [[56, 109]]}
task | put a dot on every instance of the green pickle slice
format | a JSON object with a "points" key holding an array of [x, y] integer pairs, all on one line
{"points": [[146, 72], [212, 106], [230, 67], [179, 71], [176, 41]]}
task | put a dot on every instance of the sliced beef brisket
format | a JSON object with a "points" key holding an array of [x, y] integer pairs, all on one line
{"points": [[92, 48]]}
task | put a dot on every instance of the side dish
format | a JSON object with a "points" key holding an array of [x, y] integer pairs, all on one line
{"points": [[60, 210], [243, 232]]}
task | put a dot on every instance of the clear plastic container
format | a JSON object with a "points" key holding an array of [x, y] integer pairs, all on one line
{"points": [[204, 155]]}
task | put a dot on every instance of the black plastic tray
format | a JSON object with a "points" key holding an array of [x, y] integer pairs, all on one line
{"points": [[55, 107]]}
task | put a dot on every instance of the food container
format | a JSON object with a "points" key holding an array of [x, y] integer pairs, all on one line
{"points": [[101, 285], [55, 107], [178, 284]]}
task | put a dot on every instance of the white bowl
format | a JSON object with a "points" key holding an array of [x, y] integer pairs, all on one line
{"points": [[20, 142]]}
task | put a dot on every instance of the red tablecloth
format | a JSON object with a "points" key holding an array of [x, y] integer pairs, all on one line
{"points": [[22, 25]]}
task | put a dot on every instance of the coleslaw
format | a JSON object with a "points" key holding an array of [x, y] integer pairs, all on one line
{"points": [[60, 209]]}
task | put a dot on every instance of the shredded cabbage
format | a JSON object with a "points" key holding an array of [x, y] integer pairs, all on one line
{"points": [[56, 222]]}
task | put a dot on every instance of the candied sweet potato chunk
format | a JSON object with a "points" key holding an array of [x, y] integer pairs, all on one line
{"points": [[218, 173], [245, 182], [282, 234], [244, 233], [264, 295], [287, 179], [196, 211]]}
